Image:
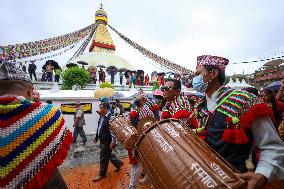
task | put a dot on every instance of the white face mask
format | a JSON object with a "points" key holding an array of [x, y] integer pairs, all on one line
{"points": [[198, 84]]}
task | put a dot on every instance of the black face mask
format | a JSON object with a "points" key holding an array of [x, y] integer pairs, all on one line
{"points": [[137, 102]]}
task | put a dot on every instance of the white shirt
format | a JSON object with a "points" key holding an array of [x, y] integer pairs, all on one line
{"points": [[116, 111], [271, 162], [212, 101], [79, 113]]}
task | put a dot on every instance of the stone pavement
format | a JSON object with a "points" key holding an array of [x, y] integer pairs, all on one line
{"points": [[90, 153]]}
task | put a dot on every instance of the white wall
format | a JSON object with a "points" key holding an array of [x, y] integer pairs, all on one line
{"points": [[91, 119]]}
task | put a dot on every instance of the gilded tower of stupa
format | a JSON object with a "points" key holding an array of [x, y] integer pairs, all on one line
{"points": [[102, 49], [102, 41]]}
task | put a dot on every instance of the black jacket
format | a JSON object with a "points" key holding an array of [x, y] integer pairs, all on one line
{"points": [[32, 67], [104, 133]]}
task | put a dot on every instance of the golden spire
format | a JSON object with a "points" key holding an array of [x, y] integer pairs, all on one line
{"points": [[102, 41]]}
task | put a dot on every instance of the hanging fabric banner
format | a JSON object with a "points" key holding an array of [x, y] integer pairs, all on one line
{"points": [[46, 57], [82, 48], [25, 50], [162, 61]]}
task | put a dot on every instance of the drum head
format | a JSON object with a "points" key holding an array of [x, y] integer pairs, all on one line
{"points": [[144, 123]]}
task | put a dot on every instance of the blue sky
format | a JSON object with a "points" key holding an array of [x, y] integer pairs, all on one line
{"points": [[177, 30]]}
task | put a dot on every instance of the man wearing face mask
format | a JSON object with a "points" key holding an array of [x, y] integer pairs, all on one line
{"points": [[143, 107], [237, 120], [34, 140], [177, 105]]}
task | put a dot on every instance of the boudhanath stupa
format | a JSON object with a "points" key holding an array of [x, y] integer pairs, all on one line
{"points": [[102, 49]]}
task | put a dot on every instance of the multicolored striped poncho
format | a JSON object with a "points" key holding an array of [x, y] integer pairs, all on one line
{"points": [[33, 142]]}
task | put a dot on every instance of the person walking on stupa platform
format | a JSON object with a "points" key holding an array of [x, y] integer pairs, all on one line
{"points": [[112, 74], [133, 79], [79, 123], [120, 77], [32, 70], [49, 72], [147, 79], [237, 120], [34, 140], [93, 75]]}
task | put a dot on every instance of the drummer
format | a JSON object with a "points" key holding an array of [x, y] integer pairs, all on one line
{"points": [[142, 107], [177, 105], [237, 120]]}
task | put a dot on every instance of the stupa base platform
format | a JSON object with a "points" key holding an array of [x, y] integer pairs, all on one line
{"points": [[48, 85]]}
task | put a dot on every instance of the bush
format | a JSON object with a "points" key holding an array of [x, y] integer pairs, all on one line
{"points": [[75, 76], [106, 85]]}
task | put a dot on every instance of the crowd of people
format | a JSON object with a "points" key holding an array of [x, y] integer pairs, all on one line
{"points": [[237, 123], [51, 73]]}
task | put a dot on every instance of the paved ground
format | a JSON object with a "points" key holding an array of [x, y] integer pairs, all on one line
{"points": [[80, 155], [81, 167], [82, 177]]}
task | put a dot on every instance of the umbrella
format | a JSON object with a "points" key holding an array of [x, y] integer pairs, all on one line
{"points": [[274, 86], [170, 73], [122, 69], [101, 66], [127, 73], [53, 63], [118, 95], [154, 73], [108, 70], [71, 65], [104, 92], [82, 63]]}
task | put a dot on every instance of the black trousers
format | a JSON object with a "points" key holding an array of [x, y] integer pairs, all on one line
{"points": [[56, 78], [105, 156], [32, 73], [49, 76], [112, 79]]}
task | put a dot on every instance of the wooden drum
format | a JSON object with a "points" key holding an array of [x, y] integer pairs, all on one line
{"points": [[124, 131], [174, 157]]}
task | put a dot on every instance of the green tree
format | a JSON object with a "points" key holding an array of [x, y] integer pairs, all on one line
{"points": [[75, 76]]}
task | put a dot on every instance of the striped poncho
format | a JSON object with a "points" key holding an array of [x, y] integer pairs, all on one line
{"points": [[33, 142]]}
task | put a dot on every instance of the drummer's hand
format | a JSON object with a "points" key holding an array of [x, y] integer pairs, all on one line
{"points": [[112, 145], [254, 180]]}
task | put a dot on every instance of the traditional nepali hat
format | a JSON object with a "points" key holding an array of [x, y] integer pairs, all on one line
{"points": [[9, 71], [212, 60]]}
